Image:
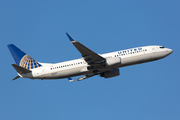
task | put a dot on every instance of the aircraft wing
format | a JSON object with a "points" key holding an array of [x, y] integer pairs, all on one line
{"points": [[89, 56], [82, 78]]}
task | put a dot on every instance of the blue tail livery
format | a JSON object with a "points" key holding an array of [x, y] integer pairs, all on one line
{"points": [[22, 59]]}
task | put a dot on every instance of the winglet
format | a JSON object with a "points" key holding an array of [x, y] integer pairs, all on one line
{"points": [[70, 37], [70, 79]]}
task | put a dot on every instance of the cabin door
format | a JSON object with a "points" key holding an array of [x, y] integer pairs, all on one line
{"points": [[154, 50]]}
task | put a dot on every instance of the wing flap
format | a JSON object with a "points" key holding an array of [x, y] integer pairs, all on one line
{"points": [[81, 78]]}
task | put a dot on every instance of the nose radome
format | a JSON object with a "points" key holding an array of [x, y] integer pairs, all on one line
{"points": [[169, 50]]}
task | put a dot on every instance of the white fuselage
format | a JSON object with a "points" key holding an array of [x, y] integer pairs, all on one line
{"points": [[80, 67]]}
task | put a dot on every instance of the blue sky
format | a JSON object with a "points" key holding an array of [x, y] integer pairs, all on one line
{"points": [[147, 92]]}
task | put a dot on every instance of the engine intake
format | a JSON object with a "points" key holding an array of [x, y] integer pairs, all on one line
{"points": [[111, 73], [113, 61]]}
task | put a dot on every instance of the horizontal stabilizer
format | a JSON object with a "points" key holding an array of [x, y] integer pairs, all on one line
{"points": [[16, 77], [20, 69]]}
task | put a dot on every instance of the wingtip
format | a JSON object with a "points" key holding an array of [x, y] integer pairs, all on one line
{"points": [[70, 37], [70, 79]]}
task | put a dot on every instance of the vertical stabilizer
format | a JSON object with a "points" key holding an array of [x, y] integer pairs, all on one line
{"points": [[22, 59]]}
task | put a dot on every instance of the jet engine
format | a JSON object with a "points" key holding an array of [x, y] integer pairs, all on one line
{"points": [[111, 73], [113, 61]]}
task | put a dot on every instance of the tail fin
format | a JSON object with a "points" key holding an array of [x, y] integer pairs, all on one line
{"points": [[22, 59]]}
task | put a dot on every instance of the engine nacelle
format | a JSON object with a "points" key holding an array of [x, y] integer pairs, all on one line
{"points": [[113, 61], [111, 73]]}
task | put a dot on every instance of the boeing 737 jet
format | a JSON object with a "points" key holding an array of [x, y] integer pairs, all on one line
{"points": [[91, 64]]}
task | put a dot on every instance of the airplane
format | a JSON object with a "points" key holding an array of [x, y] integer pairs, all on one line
{"points": [[91, 64]]}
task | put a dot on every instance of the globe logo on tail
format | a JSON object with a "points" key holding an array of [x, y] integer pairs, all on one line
{"points": [[29, 63]]}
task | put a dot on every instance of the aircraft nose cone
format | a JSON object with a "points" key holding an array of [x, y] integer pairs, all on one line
{"points": [[169, 50]]}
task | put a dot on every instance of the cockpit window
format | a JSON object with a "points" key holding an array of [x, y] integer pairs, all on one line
{"points": [[161, 47]]}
